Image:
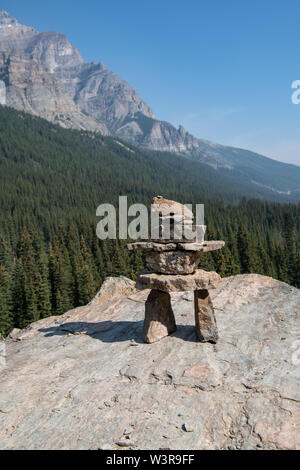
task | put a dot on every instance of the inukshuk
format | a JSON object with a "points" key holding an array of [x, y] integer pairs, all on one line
{"points": [[173, 258]]}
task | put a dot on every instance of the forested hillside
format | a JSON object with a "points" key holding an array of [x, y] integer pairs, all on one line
{"points": [[51, 182]]}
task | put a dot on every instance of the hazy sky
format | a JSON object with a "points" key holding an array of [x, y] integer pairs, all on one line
{"points": [[223, 69]]}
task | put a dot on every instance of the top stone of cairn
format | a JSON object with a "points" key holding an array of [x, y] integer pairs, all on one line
{"points": [[167, 208]]}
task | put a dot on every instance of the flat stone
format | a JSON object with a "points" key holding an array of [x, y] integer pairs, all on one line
{"points": [[159, 317], [151, 246], [205, 246], [205, 320], [167, 207], [179, 282], [160, 246], [177, 233], [176, 219], [173, 262]]}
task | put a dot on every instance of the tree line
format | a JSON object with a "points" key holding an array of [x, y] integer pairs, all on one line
{"points": [[40, 277]]}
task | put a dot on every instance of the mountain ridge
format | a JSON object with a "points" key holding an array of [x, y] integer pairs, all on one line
{"points": [[66, 90]]}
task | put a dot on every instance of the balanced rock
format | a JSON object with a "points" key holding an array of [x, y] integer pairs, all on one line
{"points": [[151, 246], [159, 317], [181, 282], [205, 321], [167, 207], [173, 262], [154, 246], [205, 246]]}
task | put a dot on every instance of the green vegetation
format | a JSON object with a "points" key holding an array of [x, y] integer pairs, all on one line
{"points": [[51, 182]]}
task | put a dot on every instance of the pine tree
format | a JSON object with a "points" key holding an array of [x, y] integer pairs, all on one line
{"points": [[244, 248], [19, 295], [231, 267], [120, 261], [61, 280], [84, 281], [290, 245], [6, 317], [297, 271], [108, 268], [43, 295], [220, 263], [281, 264]]}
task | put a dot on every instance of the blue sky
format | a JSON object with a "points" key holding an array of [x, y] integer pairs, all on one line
{"points": [[223, 69]]}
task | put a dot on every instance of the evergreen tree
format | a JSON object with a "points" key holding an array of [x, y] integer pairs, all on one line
{"points": [[220, 263], [6, 317], [244, 248], [290, 245], [61, 280], [297, 271]]}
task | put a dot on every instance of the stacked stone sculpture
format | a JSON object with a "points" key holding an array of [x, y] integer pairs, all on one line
{"points": [[173, 258]]}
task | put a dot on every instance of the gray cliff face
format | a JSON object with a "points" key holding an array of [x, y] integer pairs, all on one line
{"points": [[101, 94], [27, 85], [86, 380], [27, 62], [53, 50], [13, 35], [98, 94], [96, 91], [6, 19]]}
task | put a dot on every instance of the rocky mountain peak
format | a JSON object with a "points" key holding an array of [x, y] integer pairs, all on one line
{"points": [[181, 130], [6, 19]]}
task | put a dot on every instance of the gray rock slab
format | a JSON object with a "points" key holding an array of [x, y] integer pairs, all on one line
{"points": [[62, 390], [159, 317], [167, 207], [173, 262], [179, 282], [205, 246], [151, 246], [205, 320]]}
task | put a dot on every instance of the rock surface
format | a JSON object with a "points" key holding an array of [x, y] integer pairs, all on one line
{"points": [[205, 246], [167, 208], [173, 262], [79, 380], [114, 287], [29, 86], [151, 246], [179, 282], [205, 320]]}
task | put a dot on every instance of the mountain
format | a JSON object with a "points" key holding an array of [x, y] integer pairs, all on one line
{"points": [[86, 380], [38, 159], [42, 73], [26, 66]]}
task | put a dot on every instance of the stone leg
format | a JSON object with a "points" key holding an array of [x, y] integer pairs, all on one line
{"points": [[159, 317], [205, 320]]}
